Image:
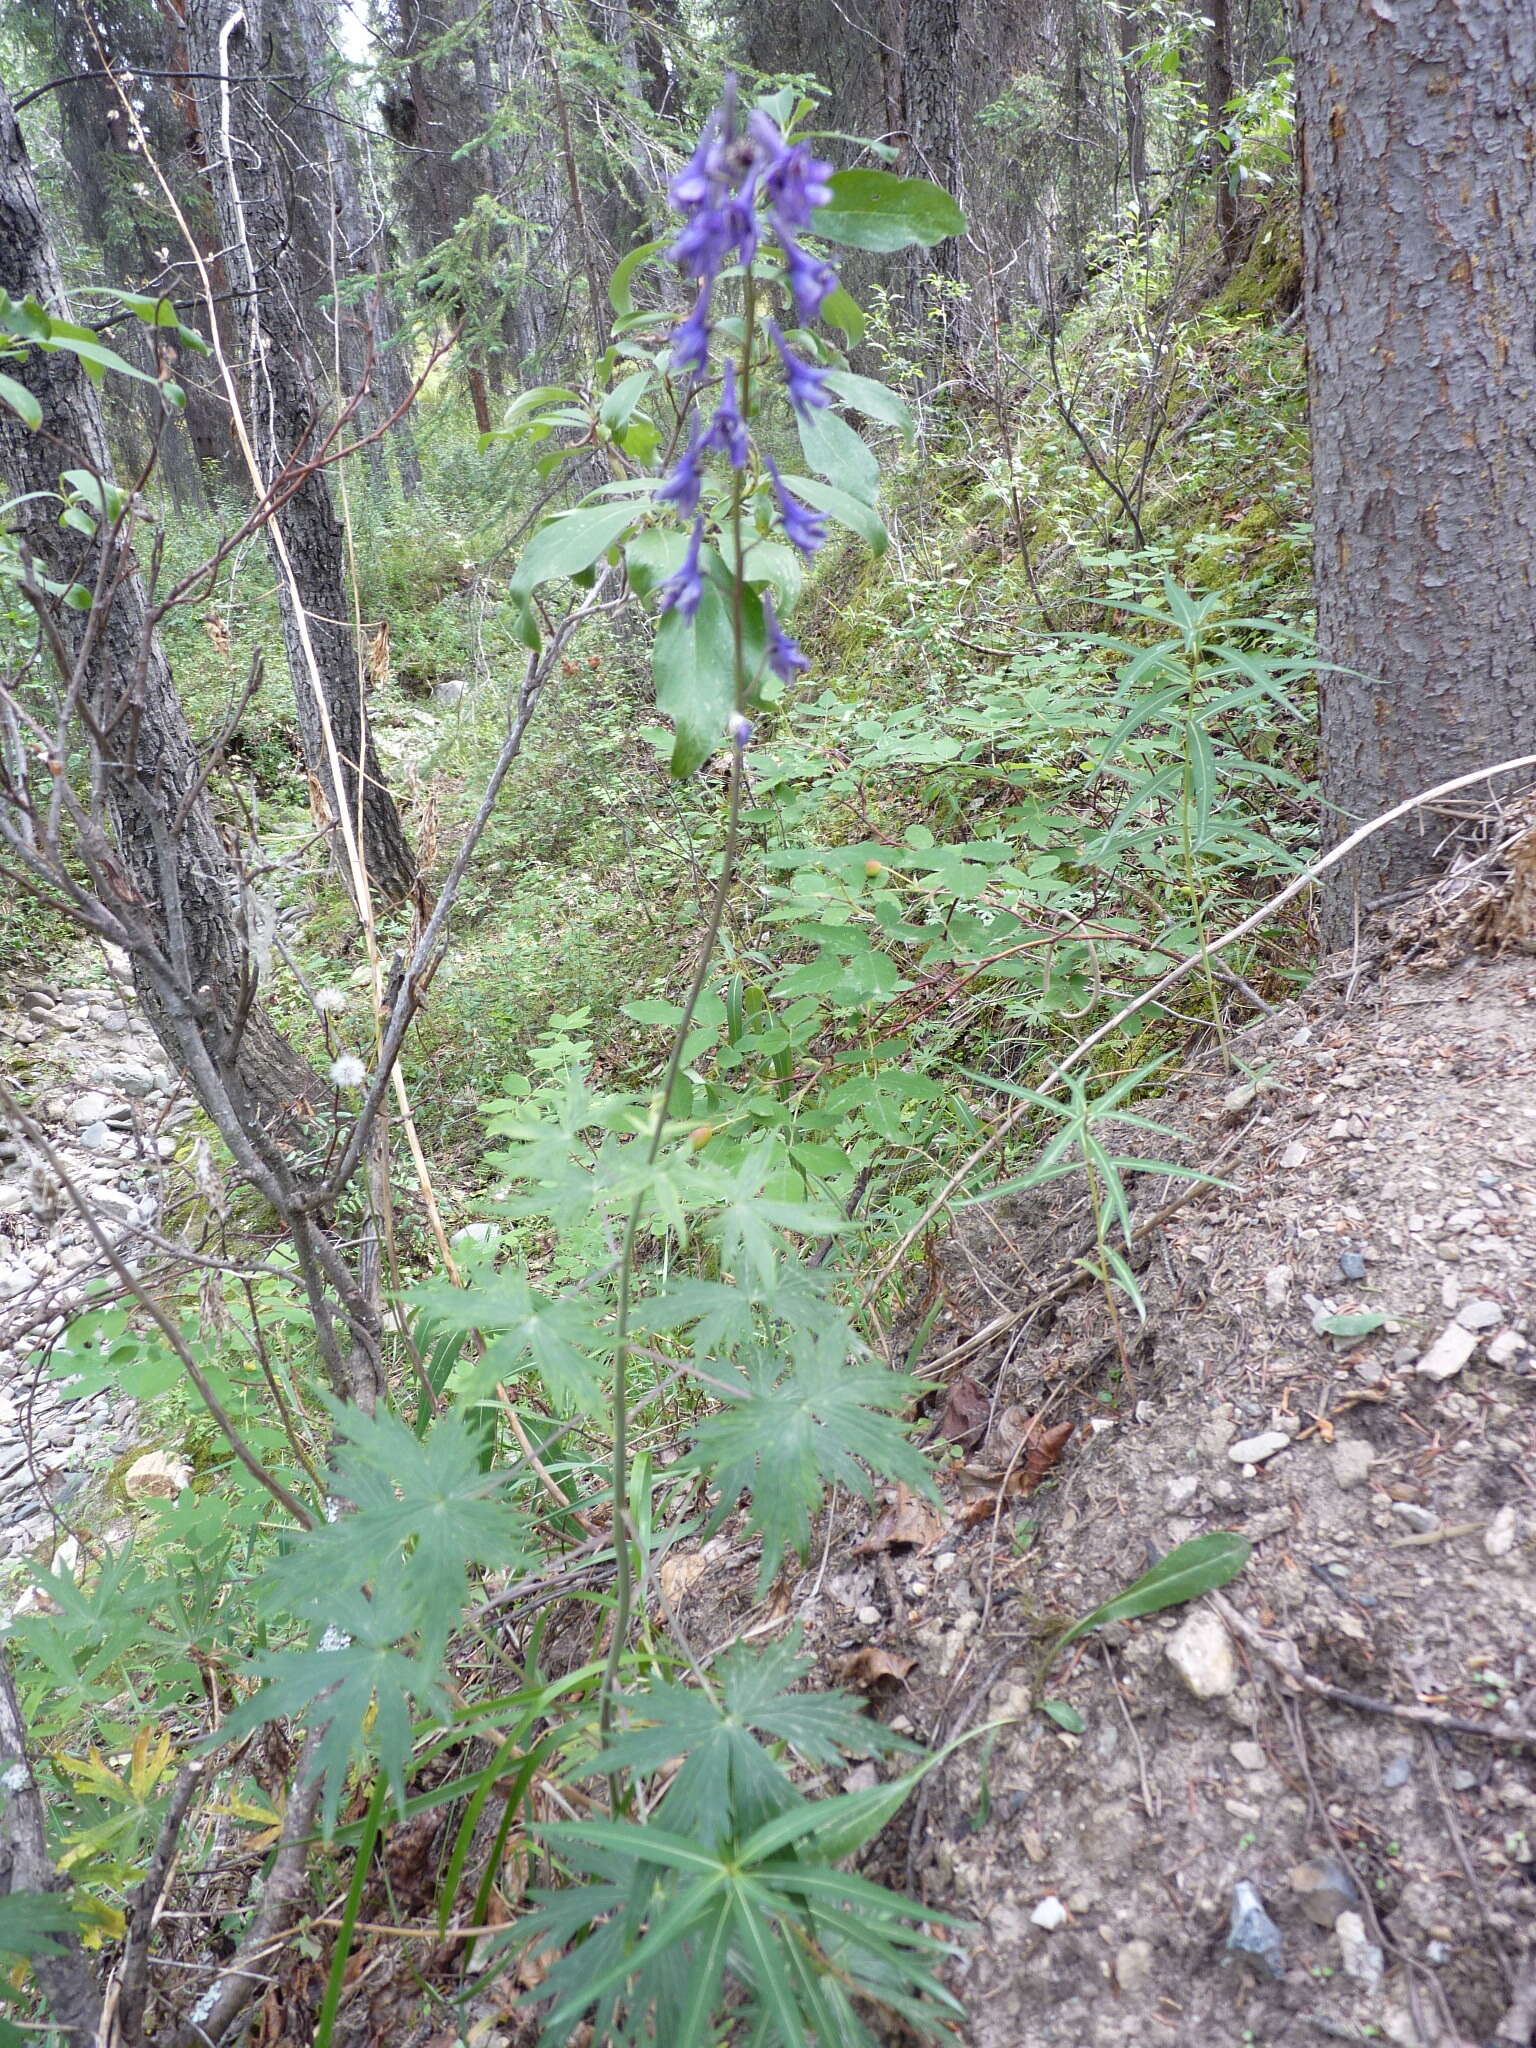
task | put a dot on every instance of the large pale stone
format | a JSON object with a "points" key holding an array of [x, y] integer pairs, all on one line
{"points": [[1200, 1650]]}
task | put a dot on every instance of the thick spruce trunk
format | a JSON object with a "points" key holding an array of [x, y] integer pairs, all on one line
{"points": [[171, 877], [1418, 167]]}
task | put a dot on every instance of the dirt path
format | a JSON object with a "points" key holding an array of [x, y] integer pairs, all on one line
{"points": [[1384, 1166]]}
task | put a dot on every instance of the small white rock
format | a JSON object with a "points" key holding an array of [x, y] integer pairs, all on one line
{"points": [[1200, 1650], [1133, 1965], [1449, 1353], [1362, 1960], [1277, 1286], [1049, 1914], [1249, 1756], [869, 1617], [1253, 1450], [156, 1476], [1480, 1315], [1351, 1462], [1506, 1347], [1499, 1537], [1295, 1154]]}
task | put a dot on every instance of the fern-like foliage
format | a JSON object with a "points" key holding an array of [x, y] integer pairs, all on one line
{"points": [[789, 1426], [384, 1585], [729, 1781]]}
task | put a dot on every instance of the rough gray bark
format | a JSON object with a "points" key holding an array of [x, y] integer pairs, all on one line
{"points": [[918, 74], [1133, 85], [932, 98], [288, 416], [1218, 90], [367, 326], [171, 873], [1418, 169]]}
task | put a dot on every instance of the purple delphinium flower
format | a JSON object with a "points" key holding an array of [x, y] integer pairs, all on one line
{"points": [[703, 179], [728, 430], [785, 657], [795, 183], [805, 382], [690, 339], [739, 728], [684, 588], [681, 487], [804, 528], [811, 282]]}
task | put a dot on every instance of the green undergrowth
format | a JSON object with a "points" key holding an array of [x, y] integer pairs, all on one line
{"points": [[1041, 759]]}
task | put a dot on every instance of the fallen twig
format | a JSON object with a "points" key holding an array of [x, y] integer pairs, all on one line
{"points": [[1282, 1657]]}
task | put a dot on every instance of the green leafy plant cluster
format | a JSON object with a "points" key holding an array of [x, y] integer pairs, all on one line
{"points": [[649, 1336]]}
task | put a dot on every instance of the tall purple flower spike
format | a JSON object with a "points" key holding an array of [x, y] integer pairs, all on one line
{"points": [[736, 165]]}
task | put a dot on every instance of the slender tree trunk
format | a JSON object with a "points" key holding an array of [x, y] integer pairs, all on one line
{"points": [[288, 416], [172, 873], [1218, 90], [1418, 172], [368, 323], [1133, 86], [932, 99]]}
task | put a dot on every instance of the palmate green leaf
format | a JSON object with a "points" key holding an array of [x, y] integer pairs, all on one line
{"points": [[422, 1512], [728, 1781], [727, 1315], [746, 1223], [880, 211], [361, 1683], [31, 1922], [666, 1922], [530, 1328], [793, 1427]]}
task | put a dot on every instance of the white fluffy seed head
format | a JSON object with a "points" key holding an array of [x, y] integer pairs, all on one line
{"points": [[330, 1002], [348, 1071]]}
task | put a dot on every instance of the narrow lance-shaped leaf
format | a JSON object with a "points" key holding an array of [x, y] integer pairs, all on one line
{"points": [[1186, 1573]]}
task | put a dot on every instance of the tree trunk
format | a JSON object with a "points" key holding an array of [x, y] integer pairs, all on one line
{"points": [[1218, 90], [287, 415], [367, 324], [1418, 170], [172, 875], [932, 98], [1133, 86]]}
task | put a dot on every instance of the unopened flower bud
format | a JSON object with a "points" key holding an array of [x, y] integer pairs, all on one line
{"points": [[740, 730]]}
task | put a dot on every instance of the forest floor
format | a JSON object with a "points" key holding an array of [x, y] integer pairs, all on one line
{"points": [[1384, 1164], [1378, 1162]]}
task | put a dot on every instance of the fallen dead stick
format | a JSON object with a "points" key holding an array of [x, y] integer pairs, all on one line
{"points": [[1424, 1537], [1286, 1661]]}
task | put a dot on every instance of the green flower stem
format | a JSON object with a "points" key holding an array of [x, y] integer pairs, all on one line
{"points": [[623, 1589]]}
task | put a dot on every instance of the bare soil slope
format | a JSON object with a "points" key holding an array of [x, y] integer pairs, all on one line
{"points": [[1385, 1165]]}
